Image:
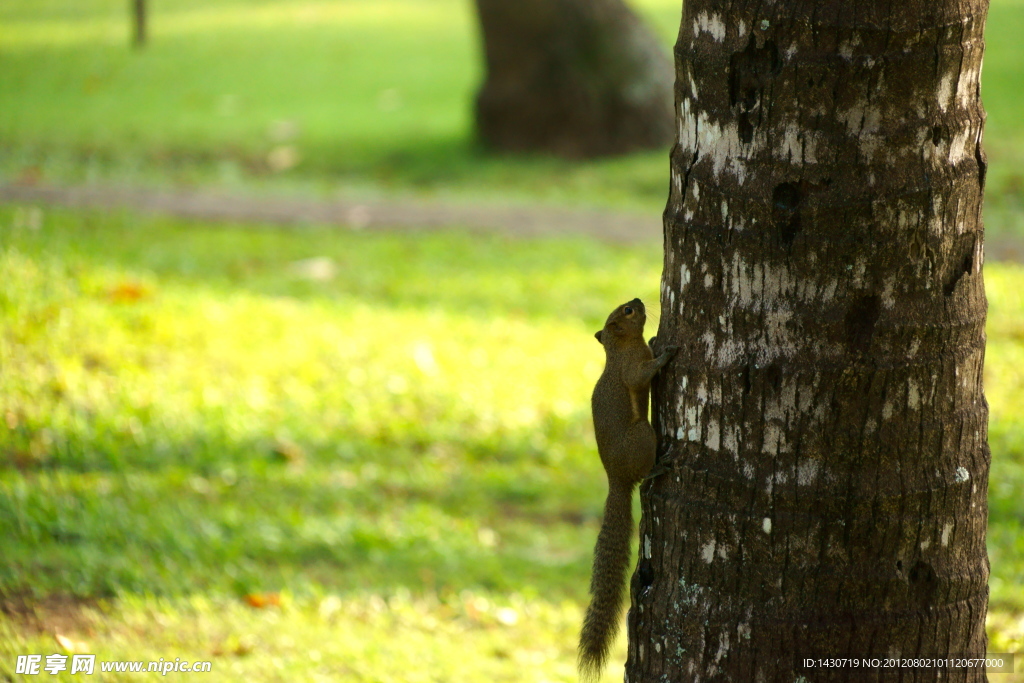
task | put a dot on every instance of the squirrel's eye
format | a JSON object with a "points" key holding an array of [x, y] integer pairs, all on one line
{"points": [[628, 310]]}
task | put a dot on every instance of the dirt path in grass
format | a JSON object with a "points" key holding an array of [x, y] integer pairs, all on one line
{"points": [[394, 214], [397, 214]]}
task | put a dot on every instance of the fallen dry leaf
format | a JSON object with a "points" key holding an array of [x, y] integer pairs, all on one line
{"points": [[317, 269], [71, 645], [263, 600], [127, 292], [283, 158], [288, 450], [30, 175]]}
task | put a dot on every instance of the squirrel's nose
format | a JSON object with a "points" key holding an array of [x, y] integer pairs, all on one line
{"points": [[636, 303]]}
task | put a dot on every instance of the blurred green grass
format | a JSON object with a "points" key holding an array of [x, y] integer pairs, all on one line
{"points": [[160, 358], [365, 97], [198, 414], [369, 96], [391, 431]]}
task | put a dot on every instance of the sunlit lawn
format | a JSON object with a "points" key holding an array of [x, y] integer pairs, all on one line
{"points": [[186, 414], [389, 446]]}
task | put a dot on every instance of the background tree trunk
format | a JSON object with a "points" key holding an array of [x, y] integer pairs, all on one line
{"points": [[577, 78], [139, 23], [823, 425]]}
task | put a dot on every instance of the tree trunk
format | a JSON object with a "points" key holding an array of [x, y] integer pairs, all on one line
{"points": [[823, 427], [139, 22], [577, 78]]}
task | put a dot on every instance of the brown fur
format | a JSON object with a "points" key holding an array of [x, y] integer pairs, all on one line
{"points": [[626, 444]]}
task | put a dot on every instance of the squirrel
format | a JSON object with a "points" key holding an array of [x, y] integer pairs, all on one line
{"points": [[626, 443]]}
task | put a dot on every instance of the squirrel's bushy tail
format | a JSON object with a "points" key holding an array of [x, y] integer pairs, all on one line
{"points": [[611, 563]]}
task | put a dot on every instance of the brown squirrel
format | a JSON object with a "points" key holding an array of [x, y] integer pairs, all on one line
{"points": [[626, 443]]}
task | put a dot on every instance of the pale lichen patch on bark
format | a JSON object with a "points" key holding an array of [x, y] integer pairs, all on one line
{"points": [[712, 438], [848, 47], [945, 92], [888, 300], [691, 424], [864, 121], [807, 472], [962, 145], [967, 85], [711, 24], [797, 146], [723, 646], [727, 353], [774, 440], [740, 281], [721, 143], [913, 395], [730, 445], [708, 551], [887, 410]]}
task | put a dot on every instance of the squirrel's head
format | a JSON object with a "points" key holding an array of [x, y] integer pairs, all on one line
{"points": [[625, 322]]}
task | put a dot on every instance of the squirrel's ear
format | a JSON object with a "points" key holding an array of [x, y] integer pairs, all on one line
{"points": [[597, 336]]}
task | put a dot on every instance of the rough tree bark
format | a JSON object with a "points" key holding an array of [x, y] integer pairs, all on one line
{"points": [[823, 427], [577, 78]]}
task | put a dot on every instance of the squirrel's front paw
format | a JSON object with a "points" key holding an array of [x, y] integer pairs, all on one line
{"points": [[665, 352], [655, 346]]}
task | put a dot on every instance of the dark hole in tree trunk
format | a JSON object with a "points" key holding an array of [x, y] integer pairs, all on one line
{"points": [[773, 377], [785, 204], [860, 322], [923, 580], [749, 73], [644, 576], [965, 269], [982, 159]]}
